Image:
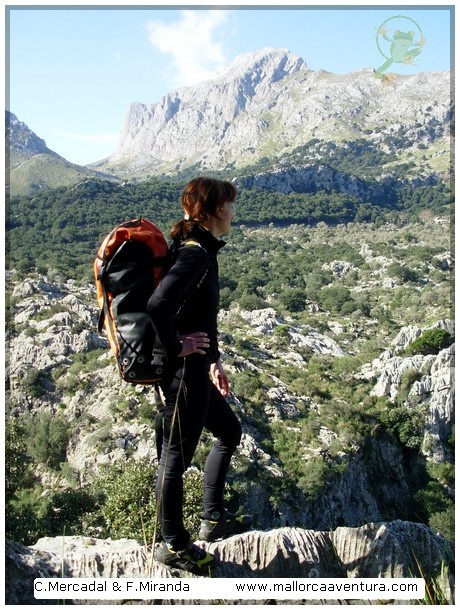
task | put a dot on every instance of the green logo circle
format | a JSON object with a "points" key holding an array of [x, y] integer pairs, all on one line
{"points": [[400, 41]]}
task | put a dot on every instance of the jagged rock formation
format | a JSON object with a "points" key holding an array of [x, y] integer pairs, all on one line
{"points": [[264, 321], [435, 385], [378, 550], [268, 103], [264, 106]]}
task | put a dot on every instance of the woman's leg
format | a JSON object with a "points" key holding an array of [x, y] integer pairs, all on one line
{"points": [[186, 404], [224, 425]]}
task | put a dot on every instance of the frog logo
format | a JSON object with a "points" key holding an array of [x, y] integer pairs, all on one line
{"points": [[404, 47]]}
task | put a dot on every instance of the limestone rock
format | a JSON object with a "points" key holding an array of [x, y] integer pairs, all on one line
{"points": [[52, 334], [375, 550], [434, 387], [338, 268], [265, 321], [374, 486], [22, 138]]}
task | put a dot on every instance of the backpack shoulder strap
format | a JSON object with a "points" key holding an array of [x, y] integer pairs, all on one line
{"points": [[193, 242], [175, 249]]}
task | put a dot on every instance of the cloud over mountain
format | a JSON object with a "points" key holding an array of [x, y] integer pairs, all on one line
{"points": [[194, 44]]}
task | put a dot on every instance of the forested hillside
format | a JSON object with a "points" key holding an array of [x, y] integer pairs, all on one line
{"points": [[60, 229]]}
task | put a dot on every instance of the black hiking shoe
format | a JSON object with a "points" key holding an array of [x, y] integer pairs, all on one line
{"points": [[224, 526], [192, 559]]}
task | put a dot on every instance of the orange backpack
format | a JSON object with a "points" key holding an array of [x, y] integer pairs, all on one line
{"points": [[128, 267]]}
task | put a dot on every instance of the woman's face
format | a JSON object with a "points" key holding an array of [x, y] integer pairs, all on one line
{"points": [[224, 216]]}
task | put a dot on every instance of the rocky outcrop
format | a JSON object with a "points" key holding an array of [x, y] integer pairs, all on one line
{"points": [[397, 549], [264, 321], [376, 485], [313, 177], [434, 387], [58, 324]]}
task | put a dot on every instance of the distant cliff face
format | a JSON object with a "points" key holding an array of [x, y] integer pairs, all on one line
{"points": [[268, 103]]}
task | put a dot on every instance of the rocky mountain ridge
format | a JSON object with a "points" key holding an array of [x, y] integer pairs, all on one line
{"points": [[257, 114], [24, 140], [269, 103]]}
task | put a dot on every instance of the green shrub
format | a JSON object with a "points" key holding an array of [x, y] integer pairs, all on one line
{"points": [[281, 335], [247, 385], [432, 341], [444, 522], [404, 274], [34, 382], [33, 514], [24, 516], [408, 378], [337, 299], [66, 511], [47, 439], [407, 424], [313, 476], [129, 508], [293, 299], [435, 500], [18, 472], [250, 302]]}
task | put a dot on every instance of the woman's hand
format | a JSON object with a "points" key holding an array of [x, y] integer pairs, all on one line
{"points": [[194, 343], [219, 378]]}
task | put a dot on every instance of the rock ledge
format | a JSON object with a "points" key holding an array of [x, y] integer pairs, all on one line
{"points": [[394, 549]]}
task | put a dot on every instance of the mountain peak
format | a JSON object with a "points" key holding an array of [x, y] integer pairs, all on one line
{"points": [[205, 118], [281, 61], [22, 139]]}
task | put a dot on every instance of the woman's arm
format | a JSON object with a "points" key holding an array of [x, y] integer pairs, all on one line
{"points": [[168, 297]]}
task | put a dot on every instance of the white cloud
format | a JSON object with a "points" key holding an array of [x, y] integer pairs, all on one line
{"points": [[195, 43]]}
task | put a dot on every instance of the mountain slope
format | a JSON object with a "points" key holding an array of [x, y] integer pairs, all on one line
{"points": [[32, 166], [268, 103]]}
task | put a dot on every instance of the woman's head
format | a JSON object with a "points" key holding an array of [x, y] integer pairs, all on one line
{"points": [[202, 197], [206, 201]]}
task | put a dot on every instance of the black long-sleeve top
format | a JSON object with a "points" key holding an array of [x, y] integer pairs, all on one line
{"points": [[178, 292]]}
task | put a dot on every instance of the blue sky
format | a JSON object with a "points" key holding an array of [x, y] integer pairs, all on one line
{"points": [[73, 72]]}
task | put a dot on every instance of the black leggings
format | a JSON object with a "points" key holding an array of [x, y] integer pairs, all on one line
{"points": [[192, 403]]}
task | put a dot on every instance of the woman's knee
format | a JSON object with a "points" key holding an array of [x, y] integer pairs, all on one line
{"points": [[232, 436]]}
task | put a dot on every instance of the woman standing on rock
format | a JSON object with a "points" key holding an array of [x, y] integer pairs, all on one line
{"points": [[195, 384]]}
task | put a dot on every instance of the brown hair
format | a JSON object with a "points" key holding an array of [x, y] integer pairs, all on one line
{"points": [[200, 199]]}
